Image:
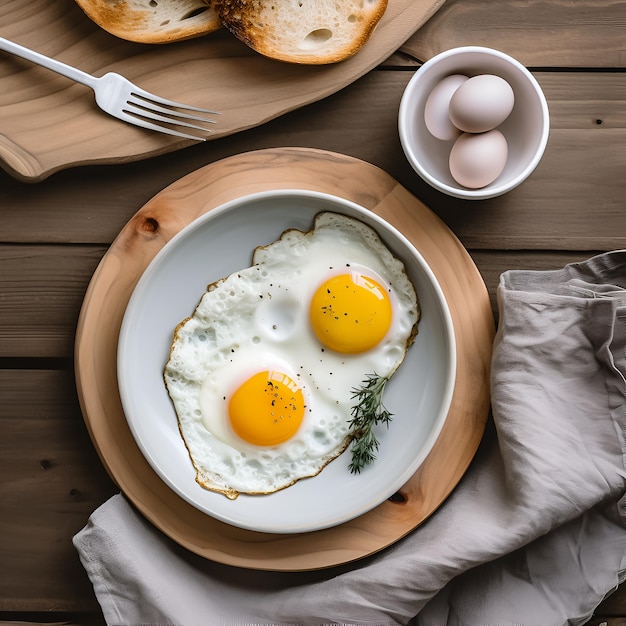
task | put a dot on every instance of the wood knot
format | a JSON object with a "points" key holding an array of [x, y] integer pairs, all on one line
{"points": [[150, 225], [398, 498]]}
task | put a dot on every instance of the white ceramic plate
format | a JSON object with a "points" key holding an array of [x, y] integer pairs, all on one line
{"points": [[217, 244]]}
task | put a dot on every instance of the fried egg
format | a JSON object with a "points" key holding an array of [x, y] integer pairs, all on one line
{"points": [[263, 372]]}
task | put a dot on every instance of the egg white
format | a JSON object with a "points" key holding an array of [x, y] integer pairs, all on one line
{"points": [[258, 318]]}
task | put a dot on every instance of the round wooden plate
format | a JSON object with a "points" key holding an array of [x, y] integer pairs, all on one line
{"points": [[152, 227]]}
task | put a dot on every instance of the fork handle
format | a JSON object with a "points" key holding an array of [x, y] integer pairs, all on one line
{"points": [[51, 64]]}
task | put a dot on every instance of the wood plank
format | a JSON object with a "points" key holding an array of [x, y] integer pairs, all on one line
{"points": [[556, 33], [556, 207], [30, 622], [40, 310], [42, 290], [34, 618], [52, 481]]}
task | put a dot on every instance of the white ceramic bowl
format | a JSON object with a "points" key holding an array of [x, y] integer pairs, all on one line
{"points": [[526, 129], [221, 242]]}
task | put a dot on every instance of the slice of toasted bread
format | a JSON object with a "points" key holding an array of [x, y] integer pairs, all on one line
{"points": [[302, 31], [153, 21]]}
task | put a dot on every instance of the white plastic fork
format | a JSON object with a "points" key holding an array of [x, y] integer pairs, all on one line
{"points": [[119, 97]]}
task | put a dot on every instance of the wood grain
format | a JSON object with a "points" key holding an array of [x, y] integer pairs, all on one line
{"points": [[570, 209], [559, 33], [573, 201], [31, 149], [50, 478], [51, 336], [49, 123], [154, 225], [40, 309]]}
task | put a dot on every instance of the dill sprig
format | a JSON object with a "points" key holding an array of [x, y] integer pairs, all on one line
{"points": [[366, 413]]}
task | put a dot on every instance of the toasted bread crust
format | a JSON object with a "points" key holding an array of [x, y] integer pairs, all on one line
{"points": [[302, 31], [161, 21]]}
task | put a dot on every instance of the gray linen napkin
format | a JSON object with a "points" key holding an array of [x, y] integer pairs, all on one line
{"points": [[533, 534]]}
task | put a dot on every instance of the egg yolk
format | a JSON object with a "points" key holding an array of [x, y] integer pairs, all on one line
{"points": [[350, 313], [267, 409]]}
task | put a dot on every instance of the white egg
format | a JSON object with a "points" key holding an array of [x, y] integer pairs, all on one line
{"points": [[436, 115], [476, 160], [300, 312], [481, 103]]}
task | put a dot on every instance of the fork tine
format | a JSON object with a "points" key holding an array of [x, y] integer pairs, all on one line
{"points": [[144, 123], [150, 97], [166, 119], [145, 105]]}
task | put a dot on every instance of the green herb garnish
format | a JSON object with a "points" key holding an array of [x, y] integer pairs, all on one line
{"points": [[368, 412]]}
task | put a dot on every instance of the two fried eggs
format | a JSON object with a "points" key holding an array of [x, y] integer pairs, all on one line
{"points": [[262, 375]]}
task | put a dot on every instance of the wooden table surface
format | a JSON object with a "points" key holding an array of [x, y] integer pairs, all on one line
{"points": [[54, 233]]}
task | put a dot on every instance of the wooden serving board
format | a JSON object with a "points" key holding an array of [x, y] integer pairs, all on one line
{"points": [[152, 227], [48, 123]]}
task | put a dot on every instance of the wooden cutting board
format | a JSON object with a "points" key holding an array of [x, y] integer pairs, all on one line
{"points": [[152, 227], [48, 123]]}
